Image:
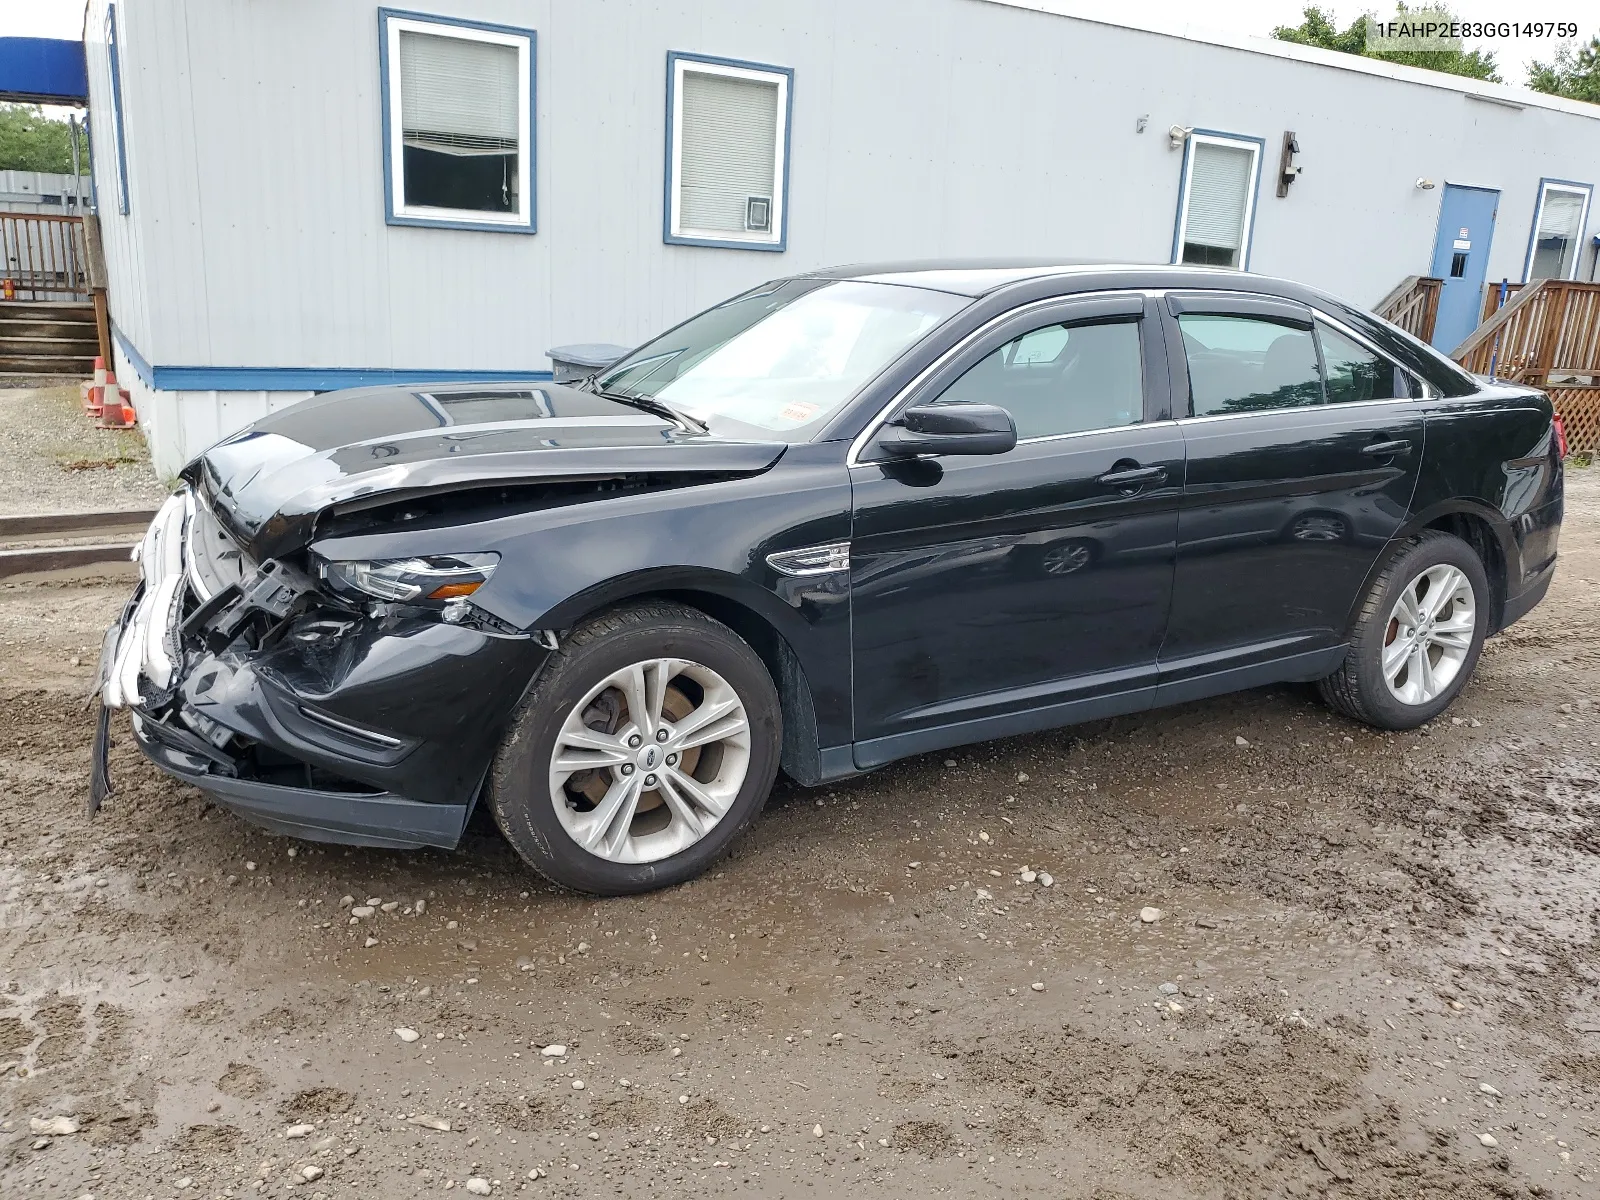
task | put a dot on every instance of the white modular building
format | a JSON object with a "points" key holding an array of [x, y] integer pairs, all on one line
{"points": [[314, 194]]}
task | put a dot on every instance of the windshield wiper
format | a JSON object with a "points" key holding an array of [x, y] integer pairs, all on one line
{"points": [[648, 404]]}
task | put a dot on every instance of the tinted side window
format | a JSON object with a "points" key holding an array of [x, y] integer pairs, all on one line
{"points": [[1061, 379], [1246, 364], [1356, 373]]}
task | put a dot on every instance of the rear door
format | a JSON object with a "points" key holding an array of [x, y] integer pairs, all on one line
{"points": [[1303, 446], [984, 588]]}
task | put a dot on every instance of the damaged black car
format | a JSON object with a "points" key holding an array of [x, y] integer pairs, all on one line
{"points": [[838, 520]]}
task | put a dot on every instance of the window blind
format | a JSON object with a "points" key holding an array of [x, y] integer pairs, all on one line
{"points": [[458, 95], [1219, 193], [1557, 239], [728, 149]]}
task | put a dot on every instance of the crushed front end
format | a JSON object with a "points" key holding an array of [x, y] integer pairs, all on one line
{"points": [[334, 701]]}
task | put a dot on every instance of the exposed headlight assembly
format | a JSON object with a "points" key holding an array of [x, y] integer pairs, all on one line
{"points": [[433, 579]]}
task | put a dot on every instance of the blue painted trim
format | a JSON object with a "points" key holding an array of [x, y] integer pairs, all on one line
{"points": [[667, 236], [141, 367], [1583, 223], [115, 55], [386, 105], [1183, 189], [37, 70], [302, 379]]}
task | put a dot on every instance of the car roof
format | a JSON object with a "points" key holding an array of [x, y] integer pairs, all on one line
{"points": [[976, 277]]}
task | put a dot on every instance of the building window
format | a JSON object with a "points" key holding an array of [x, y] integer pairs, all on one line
{"points": [[727, 153], [114, 57], [458, 122], [1217, 200], [1558, 221]]}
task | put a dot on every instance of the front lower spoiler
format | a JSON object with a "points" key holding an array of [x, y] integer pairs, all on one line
{"points": [[349, 818]]}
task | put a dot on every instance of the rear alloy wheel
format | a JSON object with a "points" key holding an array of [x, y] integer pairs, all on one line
{"points": [[650, 740], [1417, 638], [1429, 635]]}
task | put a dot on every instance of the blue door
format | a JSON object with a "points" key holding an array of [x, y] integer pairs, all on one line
{"points": [[1461, 259]]}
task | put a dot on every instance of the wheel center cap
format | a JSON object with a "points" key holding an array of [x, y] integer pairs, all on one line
{"points": [[650, 757]]}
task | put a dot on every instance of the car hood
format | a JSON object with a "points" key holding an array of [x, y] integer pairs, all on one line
{"points": [[271, 482]]}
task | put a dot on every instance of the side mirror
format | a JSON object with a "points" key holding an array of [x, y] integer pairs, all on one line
{"points": [[948, 429]]}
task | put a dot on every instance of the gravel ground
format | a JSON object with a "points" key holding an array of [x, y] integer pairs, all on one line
{"points": [[1368, 969], [53, 459]]}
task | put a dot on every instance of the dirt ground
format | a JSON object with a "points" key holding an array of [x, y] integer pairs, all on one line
{"points": [[1374, 974], [53, 459]]}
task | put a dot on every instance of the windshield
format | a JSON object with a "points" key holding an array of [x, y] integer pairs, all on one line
{"points": [[783, 358]]}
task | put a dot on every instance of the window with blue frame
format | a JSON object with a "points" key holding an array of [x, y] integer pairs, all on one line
{"points": [[1557, 238], [1216, 201], [458, 122], [114, 56], [727, 168]]}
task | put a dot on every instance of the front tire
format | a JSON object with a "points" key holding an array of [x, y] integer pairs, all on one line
{"points": [[649, 742], [1417, 637]]}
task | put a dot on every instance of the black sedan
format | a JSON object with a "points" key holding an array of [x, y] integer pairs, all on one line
{"points": [[837, 520]]}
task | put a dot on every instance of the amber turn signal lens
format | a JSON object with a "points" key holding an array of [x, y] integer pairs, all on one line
{"points": [[449, 591]]}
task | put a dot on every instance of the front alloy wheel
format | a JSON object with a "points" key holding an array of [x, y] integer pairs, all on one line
{"points": [[648, 742], [650, 760]]}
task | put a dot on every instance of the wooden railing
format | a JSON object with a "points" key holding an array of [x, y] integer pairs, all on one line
{"points": [[1491, 298], [1551, 326], [42, 257], [1413, 305]]}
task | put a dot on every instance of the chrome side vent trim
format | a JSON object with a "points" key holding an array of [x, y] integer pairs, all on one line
{"points": [[350, 729], [811, 560]]}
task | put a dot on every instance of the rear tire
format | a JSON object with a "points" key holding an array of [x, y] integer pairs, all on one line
{"points": [[1417, 637], [567, 787]]}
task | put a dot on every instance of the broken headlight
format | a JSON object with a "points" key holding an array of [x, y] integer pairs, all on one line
{"points": [[434, 578]]}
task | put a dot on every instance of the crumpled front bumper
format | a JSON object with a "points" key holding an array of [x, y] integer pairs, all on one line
{"points": [[342, 726]]}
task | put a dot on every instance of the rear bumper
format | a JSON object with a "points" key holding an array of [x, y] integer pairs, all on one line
{"points": [[1521, 605], [351, 818], [1539, 533]]}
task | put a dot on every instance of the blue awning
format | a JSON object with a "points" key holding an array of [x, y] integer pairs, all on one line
{"points": [[43, 71]]}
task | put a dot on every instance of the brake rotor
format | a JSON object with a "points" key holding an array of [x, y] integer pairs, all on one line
{"points": [[606, 715]]}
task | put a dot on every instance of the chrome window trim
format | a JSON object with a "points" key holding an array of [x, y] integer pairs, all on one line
{"points": [[859, 443], [1304, 408], [1078, 433]]}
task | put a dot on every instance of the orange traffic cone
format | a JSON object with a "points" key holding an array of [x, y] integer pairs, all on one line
{"points": [[100, 391], [99, 378], [116, 411]]}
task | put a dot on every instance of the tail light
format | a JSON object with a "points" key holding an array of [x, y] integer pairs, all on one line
{"points": [[1560, 428]]}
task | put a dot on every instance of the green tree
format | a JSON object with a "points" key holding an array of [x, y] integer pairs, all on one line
{"points": [[1574, 72], [31, 141], [1318, 29]]}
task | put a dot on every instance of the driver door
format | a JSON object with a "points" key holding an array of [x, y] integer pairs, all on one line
{"points": [[996, 594]]}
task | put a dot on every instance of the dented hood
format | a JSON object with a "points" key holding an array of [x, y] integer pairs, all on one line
{"points": [[270, 482]]}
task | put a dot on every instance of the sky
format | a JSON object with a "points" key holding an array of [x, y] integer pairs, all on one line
{"points": [[64, 18]]}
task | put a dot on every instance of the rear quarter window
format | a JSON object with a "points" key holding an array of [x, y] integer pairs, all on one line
{"points": [[1443, 375]]}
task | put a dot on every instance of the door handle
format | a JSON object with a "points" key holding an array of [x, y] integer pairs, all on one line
{"points": [[1394, 449], [1133, 477]]}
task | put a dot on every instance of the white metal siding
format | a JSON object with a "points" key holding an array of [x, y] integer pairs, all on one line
{"points": [[920, 128]]}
